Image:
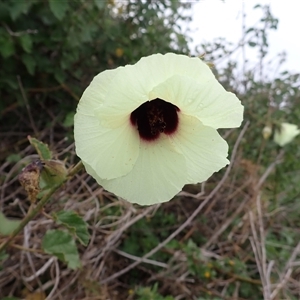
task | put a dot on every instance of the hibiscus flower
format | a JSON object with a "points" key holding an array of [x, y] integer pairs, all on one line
{"points": [[285, 134], [143, 131]]}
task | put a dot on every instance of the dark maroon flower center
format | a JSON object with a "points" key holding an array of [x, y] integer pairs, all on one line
{"points": [[155, 117]]}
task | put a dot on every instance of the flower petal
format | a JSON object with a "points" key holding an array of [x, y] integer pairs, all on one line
{"points": [[133, 83], [152, 172], [204, 149], [208, 101], [94, 95], [219, 108], [286, 134], [157, 68], [111, 152], [158, 175]]}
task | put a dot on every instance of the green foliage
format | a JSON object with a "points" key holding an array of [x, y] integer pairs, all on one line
{"points": [[278, 246], [196, 263], [7, 226], [151, 293], [75, 224], [210, 270], [62, 245], [69, 119], [53, 172], [59, 46], [141, 239], [41, 148], [147, 233], [59, 8], [209, 298], [6, 45], [13, 158]]}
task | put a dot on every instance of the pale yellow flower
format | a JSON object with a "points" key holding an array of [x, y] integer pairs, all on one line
{"points": [[267, 132], [143, 131], [285, 134]]}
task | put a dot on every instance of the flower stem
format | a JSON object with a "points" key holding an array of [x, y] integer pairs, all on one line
{"points": [[35, 210]]}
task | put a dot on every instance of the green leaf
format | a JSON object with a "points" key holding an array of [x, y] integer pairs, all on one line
{"points": [[62, 245], [7, 226], [252, 44], [69, 119], [26, 42], [100, 4], [41, 148], [59, 8], [75, 224], [4, 12], [10, 82], [60, 76], [29, 62], [7, 47], [18, 7], [13, 158], [10, 298], [249, 30]]}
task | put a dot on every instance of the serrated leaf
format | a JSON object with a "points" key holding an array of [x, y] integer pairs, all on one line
{"points": [[7, 226], [41, 148], [29, 62], [59, 8], [75, 224], [26, 42], [62, 245]]}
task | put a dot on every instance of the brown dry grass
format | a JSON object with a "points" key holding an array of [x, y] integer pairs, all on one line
{"points": [[234, 206]]}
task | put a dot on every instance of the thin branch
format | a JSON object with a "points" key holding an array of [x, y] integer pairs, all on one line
{"points": [[225, 225], [263, 247], [188, 221], [147, 261], [271, 167], [25, 32], [288, 272]]}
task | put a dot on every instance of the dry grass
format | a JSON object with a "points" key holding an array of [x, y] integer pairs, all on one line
{"points": [[237, 221]]}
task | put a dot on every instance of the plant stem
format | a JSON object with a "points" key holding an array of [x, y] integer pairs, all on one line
{"points": [[35, 210]]}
